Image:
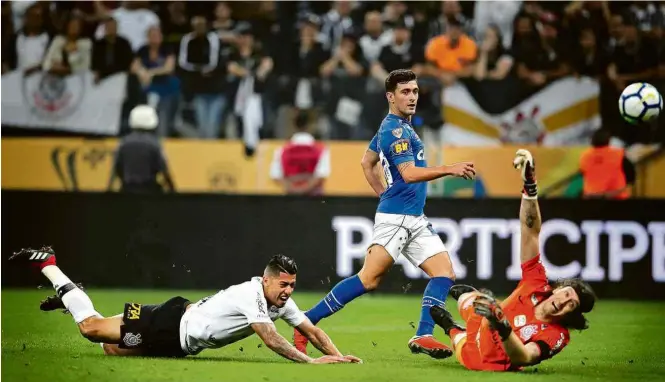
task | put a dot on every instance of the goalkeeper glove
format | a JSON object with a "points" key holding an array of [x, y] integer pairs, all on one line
{"points": [[486, 306], [526, 165]]}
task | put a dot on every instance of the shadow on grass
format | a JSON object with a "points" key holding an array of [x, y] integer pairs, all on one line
{"points": [[218, 359]]}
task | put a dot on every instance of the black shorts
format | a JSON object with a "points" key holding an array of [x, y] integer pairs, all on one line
{"points": [[155, 329]]}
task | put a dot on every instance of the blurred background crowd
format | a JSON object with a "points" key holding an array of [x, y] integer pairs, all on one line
{"points": [[216, 69]]}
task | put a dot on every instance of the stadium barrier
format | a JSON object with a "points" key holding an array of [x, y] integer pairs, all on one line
{"points": [[220, 167], [211, 241]]}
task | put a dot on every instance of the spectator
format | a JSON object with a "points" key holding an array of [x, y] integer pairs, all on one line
{"points": [[134, 20], [375, 37], [589, 60], [91, 12], [155, 65], [395, 12], [139, 159], [19, 10], [399, 54], [304, 65], [335, 24], [175, 23], [540, 57], [223, 24], [450, 10], [26, 50], [659, 36], [580, 15], [203, 73], [632, 59], [111, 54], [606, 171], [69, 53], [452, 55], [344, 71], [615, 31], [644, 14], [494, 62], [347, 59], [302, 165], [500, 14], [251, 66]]}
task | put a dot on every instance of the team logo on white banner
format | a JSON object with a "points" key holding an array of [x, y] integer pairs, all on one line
{"points": [[52, 96]]}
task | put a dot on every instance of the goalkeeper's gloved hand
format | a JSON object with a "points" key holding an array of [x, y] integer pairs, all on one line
{"points": [[489, 308], [526, 165]]}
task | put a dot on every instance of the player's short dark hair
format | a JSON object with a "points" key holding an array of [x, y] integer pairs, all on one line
{"points": [[399, 76], [281, 263], [576, 319], [601, 138]]}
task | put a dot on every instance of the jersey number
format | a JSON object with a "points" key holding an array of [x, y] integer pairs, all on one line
{"points": [[386, 168]]}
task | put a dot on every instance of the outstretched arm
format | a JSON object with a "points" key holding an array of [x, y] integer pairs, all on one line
{"points": [[530, 220], [279, 344], [413, 174], [318, 338]]}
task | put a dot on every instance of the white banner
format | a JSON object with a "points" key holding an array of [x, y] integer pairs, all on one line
{"points": [[648, 241], [73, 103], [563, 113]]}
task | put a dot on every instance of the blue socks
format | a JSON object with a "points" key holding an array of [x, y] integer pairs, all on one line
{"points": [[435, 294], [344, 292]]}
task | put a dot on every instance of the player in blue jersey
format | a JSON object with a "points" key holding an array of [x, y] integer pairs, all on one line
{"points": [[400, 226]]}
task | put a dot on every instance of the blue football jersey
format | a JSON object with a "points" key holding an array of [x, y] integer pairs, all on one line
{"points": [[396, 142]]}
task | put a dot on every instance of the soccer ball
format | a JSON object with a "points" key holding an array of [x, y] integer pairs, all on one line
{"points": [[640, 102]]}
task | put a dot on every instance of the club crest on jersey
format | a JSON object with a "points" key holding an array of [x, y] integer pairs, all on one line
{"points": [[132, 339], [398, 132], [520, 320], [528, 331]]}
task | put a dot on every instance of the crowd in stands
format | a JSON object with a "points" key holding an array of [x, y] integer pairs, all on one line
{"points": [[248, 69]]}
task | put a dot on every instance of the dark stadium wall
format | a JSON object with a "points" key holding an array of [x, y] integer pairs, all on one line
{"points": [[212, 241]]}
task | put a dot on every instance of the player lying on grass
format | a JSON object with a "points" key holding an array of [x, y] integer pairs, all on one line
{"points": [[178, 328], [400, 226], [532, 324]]}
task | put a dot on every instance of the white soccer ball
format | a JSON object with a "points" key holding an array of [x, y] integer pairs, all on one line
{"points": [[640, 102]]}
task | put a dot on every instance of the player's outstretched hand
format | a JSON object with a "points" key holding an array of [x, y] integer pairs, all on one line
{"points": [[524, 163], [487, 306], [330, 359], [462, 170], [353, 358]]}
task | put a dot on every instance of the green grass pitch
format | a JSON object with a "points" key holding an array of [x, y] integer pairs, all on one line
{"points": [[625, 342]]}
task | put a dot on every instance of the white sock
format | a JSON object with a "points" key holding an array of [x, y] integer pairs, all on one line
{"points": [[76, 301], [55, 275]]}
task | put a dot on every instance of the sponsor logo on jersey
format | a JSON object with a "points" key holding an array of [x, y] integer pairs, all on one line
{"points": [[132, 339], [528, 331], [520, 320], [557, 345], [534, 299], [400, 146], [134, 311], [398, 132], [260, 304], [421, 154]]}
